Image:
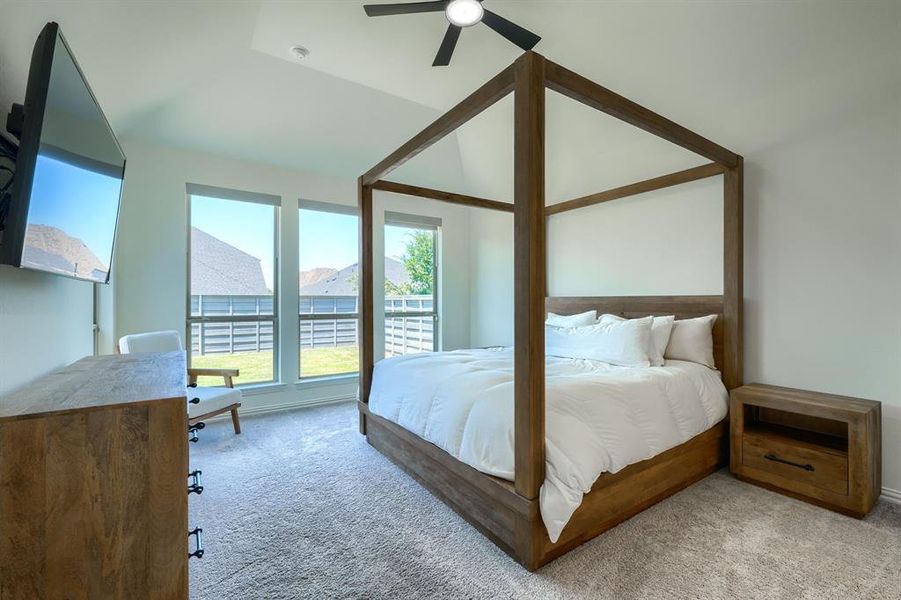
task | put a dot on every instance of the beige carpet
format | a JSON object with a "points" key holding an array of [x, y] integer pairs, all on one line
{"points": [[299, 506]]}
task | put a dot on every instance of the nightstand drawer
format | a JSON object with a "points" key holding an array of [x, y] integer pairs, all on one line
{"points": [[817, 447], [796, 463]]}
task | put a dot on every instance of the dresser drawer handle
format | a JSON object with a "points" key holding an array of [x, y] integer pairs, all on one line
{"points": [[197, 532], [194, 400], [196, 486], [193, 429], [774, 458]]}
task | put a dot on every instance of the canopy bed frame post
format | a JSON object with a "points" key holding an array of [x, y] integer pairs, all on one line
{"points": [[529, 274], [733, 274], [366, 310]]}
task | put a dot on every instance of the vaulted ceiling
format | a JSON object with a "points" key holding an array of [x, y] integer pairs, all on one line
{"points": [[218, 76]]}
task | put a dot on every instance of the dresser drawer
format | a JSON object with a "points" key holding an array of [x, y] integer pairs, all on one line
{"points": [[796, 463]]}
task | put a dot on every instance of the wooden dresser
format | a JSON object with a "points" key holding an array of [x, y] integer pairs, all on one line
{"points": [[821, 448], [93, 467]]}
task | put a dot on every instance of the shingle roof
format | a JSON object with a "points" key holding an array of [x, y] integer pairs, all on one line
{"points": [[344, 282], [220, 269], [37, 257]]}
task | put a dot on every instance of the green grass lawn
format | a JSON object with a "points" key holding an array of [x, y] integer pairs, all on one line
{"points": [[329, 361], [256, 367]]}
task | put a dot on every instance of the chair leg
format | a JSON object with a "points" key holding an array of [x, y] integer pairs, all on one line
{"points": [[236, 421]]}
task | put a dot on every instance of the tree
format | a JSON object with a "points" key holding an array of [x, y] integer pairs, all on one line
{"points": [[419, 262]]}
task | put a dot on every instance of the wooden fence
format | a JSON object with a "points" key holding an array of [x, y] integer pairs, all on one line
{"points": [[403, 335]]}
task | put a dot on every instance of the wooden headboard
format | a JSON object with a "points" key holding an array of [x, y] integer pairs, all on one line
{"points": [[633, 307]]}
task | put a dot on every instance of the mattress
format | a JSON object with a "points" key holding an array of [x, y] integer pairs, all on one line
{"points": [[600, 417]]}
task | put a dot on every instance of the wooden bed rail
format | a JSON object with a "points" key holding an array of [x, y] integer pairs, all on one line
{"points": [[642, 187], [632, 189], [496, 88], [587, 92], [441, 196]]}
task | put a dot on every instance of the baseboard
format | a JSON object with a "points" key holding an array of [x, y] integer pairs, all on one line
{"points": [[893, 496], [249, 410]]}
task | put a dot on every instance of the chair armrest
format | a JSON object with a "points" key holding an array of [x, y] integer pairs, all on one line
{"points": [[226, 374], [212, 372]]}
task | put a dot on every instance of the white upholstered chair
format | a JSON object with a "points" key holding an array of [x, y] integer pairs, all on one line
{"points": [[203, 402]]}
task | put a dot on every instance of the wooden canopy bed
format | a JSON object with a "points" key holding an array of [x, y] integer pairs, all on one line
{"points": [[508, 512]]}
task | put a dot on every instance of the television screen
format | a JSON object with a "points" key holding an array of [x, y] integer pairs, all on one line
{"points": [[71, 208]]}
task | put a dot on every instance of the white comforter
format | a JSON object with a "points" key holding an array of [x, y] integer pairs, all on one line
{"points": [[600, 417]]}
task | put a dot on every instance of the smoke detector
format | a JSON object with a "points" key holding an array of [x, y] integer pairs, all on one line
{"points": [[299, 52]]}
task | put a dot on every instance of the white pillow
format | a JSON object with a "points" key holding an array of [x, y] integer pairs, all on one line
{"points": [[580, 320], [661, 329], [623, 343], [692, 340]]}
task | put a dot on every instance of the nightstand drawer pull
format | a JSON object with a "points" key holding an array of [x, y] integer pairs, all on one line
{"points": [[197, 532], [773, 457]]}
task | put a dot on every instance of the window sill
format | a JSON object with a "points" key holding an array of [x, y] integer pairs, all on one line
{"points": [[261, 388], [326, 380]]}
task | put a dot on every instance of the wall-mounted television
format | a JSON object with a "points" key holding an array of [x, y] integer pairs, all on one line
{"points": [[63, 204]]}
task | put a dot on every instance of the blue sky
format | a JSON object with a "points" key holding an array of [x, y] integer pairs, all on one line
{"points": [[330, 240], [245, 225], [326, 239], [81, 202], [396, 240]]}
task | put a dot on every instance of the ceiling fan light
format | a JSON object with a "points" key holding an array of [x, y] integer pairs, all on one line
{"points": [[464, 13]]}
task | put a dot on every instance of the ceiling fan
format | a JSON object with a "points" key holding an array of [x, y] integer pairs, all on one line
{"points": [[460, 14]]}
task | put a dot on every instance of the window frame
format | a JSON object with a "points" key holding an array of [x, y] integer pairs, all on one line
{"points": [[339, 209], [275, 202], [433, 224]]}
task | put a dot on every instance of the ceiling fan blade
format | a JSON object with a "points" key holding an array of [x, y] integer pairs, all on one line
{"points": [[404, 8], [523, 38], [446, 50]]}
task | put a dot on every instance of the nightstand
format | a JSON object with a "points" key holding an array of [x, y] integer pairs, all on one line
{"points": [[821, 448]]}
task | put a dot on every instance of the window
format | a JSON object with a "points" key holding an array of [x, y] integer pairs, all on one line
{"points": [[329, 274], [232, 266], [411, 284]]}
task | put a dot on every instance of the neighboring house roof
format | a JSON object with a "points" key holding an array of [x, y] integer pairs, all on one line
{"points": [[220, 269], [36, 257], [345, 281], [53, 249], [317, 274]]}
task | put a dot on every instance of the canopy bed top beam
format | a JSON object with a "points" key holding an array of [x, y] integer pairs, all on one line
{"points": [[440, 195], [584, 90], [641, 187], [496, 88]]}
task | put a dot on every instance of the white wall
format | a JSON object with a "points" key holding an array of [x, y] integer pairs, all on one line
{"points": [[45, 320], [151, 285], [45, 323], [664, 242], [823, 263], [491, 266], [822, 242]]}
